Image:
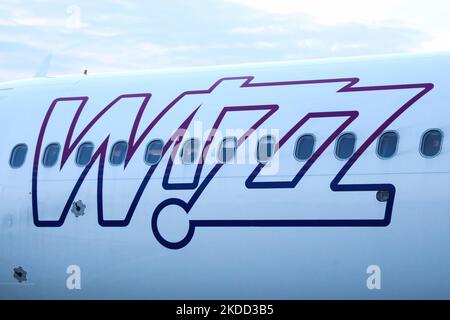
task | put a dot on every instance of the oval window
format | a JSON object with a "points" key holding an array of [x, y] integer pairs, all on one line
{"points": [[227, 149], [345, 146], [431, 143], [118, 153], [189, 151], [304, 147], [387, 144], [265, 149], [154, 152], [51, 154], [18, 156], [84, 154]]}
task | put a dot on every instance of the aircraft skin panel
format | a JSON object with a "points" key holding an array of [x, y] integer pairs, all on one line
{"points": [[286, 229]]}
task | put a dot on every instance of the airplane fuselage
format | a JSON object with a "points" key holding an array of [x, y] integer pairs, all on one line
{"points": [[270, 181]]}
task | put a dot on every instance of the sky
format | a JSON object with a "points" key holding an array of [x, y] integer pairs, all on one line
{"points": [[127, 35]]}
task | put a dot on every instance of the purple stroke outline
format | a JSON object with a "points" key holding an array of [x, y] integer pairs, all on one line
{"points": [[134, 144]]}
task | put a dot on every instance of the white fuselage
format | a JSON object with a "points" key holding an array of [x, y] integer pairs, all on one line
{"points": [[288, 228]]}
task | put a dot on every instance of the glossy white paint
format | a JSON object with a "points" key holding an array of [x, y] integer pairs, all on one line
{"points": [[228, 262]]}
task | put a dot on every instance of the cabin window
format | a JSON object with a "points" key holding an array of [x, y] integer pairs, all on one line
{"points": [[153, 152], [227, 149], [51, 155], [304, 147], [18, 156], [265, 149], [431, 143], [118, 153], [84, 154], [345, 146], [189, 151], [387, 144]]}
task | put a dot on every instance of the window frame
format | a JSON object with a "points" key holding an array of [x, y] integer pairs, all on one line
{"points": [[78, 152], [111, 151], [378, 144], [440, 145], [274, 147], [45, 151], [296, 144], [180, 154], [146, 149], [221, 149], [336, 145], [13, 152]]}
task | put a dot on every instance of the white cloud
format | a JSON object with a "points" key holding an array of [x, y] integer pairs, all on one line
{"points": [[157, 49], [259, 29], [308, 43], [126, 4], [265, 44], [326, 11], [120, 35], [350, 46], [436, 43], [6, 22], [33, 21], [430, 16], [357, 11]]}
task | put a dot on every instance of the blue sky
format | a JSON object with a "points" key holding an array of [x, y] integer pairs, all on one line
{"points": [[119, 35]]}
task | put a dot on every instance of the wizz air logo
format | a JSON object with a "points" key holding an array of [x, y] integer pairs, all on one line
{"points": [[228, 96]]}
